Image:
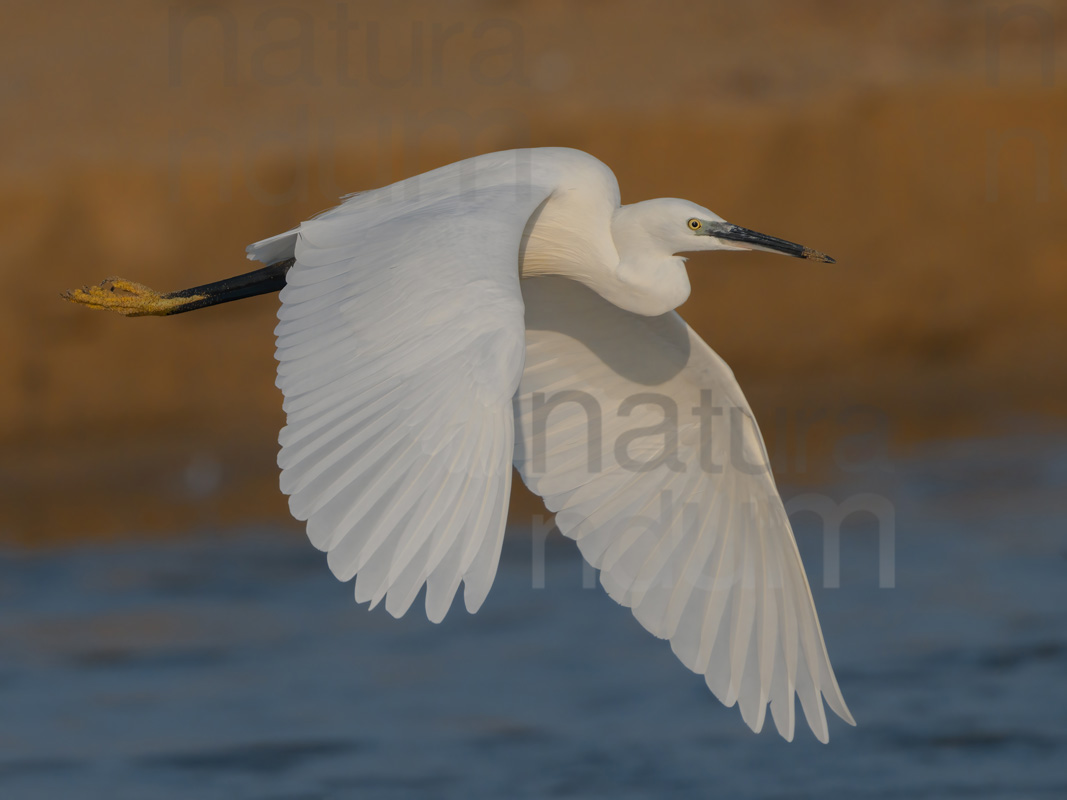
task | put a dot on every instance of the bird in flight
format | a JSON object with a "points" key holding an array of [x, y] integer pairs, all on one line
{"points": [[509, 310]]}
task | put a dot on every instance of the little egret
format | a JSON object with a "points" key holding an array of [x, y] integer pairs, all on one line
{"points": [[507, 309]]}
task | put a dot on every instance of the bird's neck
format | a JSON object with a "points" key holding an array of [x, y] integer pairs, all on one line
{"points": [[572, 236], [649, 285]]}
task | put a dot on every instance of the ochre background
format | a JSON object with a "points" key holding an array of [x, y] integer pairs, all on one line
{"points": [[923, 144]]}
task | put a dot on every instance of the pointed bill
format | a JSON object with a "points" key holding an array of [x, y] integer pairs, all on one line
{"points": [[752, 240]]}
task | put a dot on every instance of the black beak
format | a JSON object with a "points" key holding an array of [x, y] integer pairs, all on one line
{"points": [[761, 241]]}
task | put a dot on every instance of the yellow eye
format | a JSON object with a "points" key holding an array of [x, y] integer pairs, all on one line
{"points": [[694, 224]]}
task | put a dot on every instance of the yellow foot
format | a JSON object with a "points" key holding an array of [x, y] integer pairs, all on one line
{"points": [[127, 298]]}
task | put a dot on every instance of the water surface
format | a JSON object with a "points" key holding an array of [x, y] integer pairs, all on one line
{"points": [[235, 666]]}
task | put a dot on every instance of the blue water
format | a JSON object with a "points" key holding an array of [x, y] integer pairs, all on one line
{"points": [[234, 666]]}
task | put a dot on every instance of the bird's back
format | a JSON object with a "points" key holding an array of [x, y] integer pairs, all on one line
{"points": [[577, 191]]}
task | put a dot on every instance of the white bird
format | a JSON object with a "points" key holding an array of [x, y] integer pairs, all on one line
{"points": [[507, 309]]}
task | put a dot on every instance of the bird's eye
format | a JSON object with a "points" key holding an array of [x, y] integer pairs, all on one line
{"points": [[694, 224]]}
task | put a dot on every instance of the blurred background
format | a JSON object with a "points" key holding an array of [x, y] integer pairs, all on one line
{"points": [[921, 143]]}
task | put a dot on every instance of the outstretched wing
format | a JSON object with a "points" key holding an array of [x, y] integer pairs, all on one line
{"points": [[400, 345], [637, 435]]}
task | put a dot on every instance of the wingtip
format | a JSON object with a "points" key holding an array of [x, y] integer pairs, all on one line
{"points": [[435, 615], [473, 597]]}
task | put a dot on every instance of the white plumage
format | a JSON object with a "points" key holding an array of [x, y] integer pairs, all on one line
{"points": [[417, 367]]}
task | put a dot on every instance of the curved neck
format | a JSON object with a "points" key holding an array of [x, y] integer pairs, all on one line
{"points": [[649, 285], [585, 237], [651, 280]]}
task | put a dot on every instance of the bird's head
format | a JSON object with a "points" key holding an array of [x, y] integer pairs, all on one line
{"points": [[670, 226], [650, 277]]}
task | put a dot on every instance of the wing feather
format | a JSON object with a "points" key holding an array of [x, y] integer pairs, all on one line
{"points": [[400, 345], [671, 498]]}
